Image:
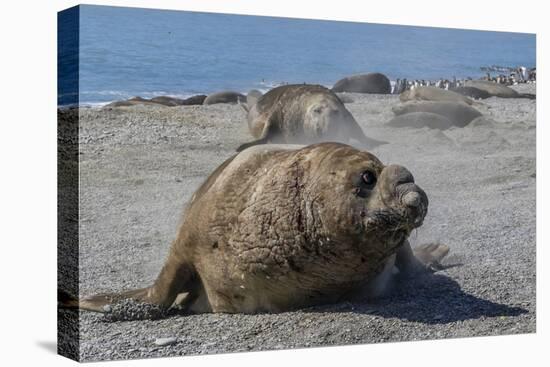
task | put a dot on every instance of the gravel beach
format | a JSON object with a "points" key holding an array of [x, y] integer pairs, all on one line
{"points": [[139, 165]]}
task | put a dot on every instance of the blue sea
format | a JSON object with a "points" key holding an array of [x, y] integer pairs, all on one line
{"points": [[125, 52]]}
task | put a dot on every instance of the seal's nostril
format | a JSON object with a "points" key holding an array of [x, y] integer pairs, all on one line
{"points": [[411, 199], [398, 175]]}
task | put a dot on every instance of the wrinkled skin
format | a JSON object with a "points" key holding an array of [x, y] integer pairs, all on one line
{"points": [[302, 114], [276, 228]]}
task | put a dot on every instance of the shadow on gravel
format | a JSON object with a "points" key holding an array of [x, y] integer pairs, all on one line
{"points": [[433, 299]]}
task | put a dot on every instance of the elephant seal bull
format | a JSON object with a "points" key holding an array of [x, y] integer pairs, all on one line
{"points": [[364, 83], [433, 94], [276, 228], [224, 97], [460, 114], [302, 114]]}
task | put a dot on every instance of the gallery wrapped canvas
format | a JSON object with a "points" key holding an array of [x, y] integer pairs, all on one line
{"points": [[232, 183]]}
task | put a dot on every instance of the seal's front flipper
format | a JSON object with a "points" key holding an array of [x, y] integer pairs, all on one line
{"points": [[431, 254], [425, 257]]}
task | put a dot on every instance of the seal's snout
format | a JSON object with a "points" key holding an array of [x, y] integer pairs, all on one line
{"points": [[398, 190]]}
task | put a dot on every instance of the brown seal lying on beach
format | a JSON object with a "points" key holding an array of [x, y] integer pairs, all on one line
{"points": [[167, 101], [460, 114], [497, 90], [302, 114], [194, 100], [280, 227], [224, 97], [433, 94], [364, 83]]}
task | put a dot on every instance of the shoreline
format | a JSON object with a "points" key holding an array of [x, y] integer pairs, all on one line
{"points": [[265, 87]]}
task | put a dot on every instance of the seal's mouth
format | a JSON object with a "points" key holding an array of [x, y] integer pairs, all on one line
{"points": [[392, 221]]}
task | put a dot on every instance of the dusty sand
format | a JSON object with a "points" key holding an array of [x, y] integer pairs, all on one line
{"points": [[140, 164]]}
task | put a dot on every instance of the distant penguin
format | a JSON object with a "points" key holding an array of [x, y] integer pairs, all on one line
{"points": [[398, 83]]}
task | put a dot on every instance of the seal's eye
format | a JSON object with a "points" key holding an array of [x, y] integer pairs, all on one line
{"points": [[368, 178], [318, 109]]}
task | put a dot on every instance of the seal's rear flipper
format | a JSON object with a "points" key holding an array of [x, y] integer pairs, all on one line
{"points": [[98, 302], [176, 277], [252, 143]]}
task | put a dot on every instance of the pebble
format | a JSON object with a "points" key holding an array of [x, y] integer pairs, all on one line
{"points": [[161, 342], [131, 310]]}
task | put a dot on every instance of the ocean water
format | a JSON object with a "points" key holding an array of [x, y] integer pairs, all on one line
{"points": [[125, 52]]}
